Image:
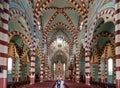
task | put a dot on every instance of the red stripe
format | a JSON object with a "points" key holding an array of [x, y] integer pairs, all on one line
{"points": [[117, 11], [4, 20], [4, 43], [3, 30], [117, 44], [6, 1], [3, 55], [117, 68], [1, 10], [117, 32], [32, 61], [117, 21], [118, 56], [87, 56], [6, 11], [117, 1], [32, 55], [87, 67], [4, 67], [87, 61], [32, 66]]}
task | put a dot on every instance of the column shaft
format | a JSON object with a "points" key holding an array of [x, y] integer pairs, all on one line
{"points": [[4, 17], [117, 41]]}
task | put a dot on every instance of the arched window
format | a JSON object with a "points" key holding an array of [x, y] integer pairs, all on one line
{"points": [[9, 65], [110, 66]]}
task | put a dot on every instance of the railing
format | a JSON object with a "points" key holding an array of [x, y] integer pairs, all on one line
{"points": [[16, 84], [103, 85]]}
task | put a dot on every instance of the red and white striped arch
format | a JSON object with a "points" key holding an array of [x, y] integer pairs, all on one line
{"points": [[24, 37], [15, 13], [31, 41], [53, 39], [81, 9], [103, 34], [104, 14], [59, 24], [59, 10], [65, 8], [38, 10]]}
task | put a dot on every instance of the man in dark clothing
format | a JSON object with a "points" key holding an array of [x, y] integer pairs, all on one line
{"points": [[58, 83]]}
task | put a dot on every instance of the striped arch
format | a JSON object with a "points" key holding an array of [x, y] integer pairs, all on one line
{"points": [[24, 37], [69, 20], [81, 10], [59, 10], [15, 13], [53, 39], [51, 19], [112, 46], [23, 27], [106, 12], [104, 34], [56, 8], [45, 33], [56, 34], [38, 10]]}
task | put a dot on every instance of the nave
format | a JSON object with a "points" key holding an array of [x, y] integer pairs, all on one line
{"points": [[76, 40]]}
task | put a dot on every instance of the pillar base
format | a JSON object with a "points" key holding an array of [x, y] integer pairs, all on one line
{"points": [[77, 80], [118, 83], [3, 83], [87, 81], [32, 81], [41, 79]]}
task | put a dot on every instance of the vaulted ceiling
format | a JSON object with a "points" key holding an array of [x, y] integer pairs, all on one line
{"points": [[60, 14], [60, 19]]}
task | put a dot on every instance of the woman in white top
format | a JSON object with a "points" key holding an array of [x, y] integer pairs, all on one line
{"points": [[62, 83]]}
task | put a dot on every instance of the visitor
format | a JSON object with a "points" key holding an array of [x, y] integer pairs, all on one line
{"points": [[62, 83], [58, 83]]}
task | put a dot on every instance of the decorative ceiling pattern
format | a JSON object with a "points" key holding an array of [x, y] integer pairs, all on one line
{"points": [[60, 19], [60, 11]]}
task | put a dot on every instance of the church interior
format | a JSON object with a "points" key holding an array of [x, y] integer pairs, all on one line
{"points": [[43, 40]]}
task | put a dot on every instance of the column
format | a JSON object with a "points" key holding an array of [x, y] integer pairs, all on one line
{"points": [[114, 73], [49, 73], [106, 70], [99, 70], [117, 41], [87, 67], [46, 69], [46, 72], [13, 70], [93, 71], [77, 69], [4, 17], [32, 70], [41, 70]]}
